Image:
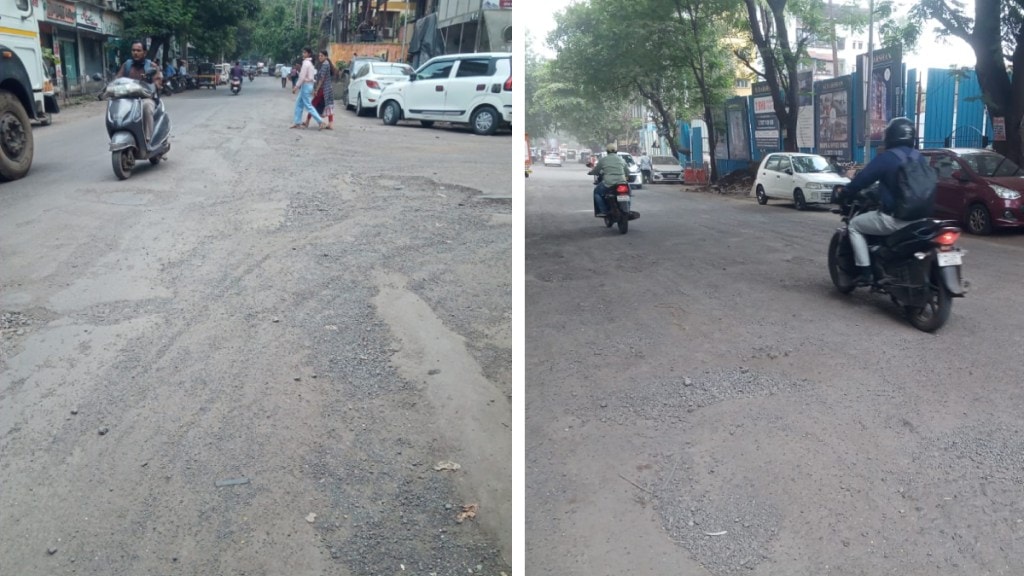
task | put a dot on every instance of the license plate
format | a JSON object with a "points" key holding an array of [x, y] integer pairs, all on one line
{"points": [[622, 199], [950, 258]]}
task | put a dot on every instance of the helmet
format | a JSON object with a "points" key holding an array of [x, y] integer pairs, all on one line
{"points": [[900, 132], [612, 148]]}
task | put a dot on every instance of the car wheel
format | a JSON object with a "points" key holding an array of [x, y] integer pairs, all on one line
{"points": [[391, 113], [799, 202], [762, 198], [360, 111], [484, 121], [344, 98], [978, 220]]}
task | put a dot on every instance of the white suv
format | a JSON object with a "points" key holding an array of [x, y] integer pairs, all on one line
{"points": [[474, 89]]}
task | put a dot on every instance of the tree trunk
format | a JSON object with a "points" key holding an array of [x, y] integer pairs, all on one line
{"points": [[709, 121], [1005, 96]]}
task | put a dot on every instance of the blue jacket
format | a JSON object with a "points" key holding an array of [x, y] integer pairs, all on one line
{"points": [[882, 170]]}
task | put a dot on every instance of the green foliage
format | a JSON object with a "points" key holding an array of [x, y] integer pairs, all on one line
{"points": [[211, 25]]}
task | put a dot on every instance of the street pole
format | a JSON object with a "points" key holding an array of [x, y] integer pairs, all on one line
{"points": [[867, 94]]}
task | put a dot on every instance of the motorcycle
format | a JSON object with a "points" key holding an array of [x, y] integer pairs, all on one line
{"points": [[125, 126], [251, 76], [918, 266], [618, 200], [236, 85]]}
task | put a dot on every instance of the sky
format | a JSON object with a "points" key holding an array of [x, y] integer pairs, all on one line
{"points": [[931, 53]]}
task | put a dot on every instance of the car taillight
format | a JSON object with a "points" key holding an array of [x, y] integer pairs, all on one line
{"points": [[508, 84], [372, 84], [622, 189], [947, 237]]}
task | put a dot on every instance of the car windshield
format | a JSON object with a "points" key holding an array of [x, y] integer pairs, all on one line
{"points": [[810, 164], [629, 159], [664, 160], [991, 164], [393, 69]]}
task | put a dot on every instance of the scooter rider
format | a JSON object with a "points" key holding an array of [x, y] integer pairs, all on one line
{"points": [[899, 134], [142, 69], [237, 71], [613, 170]]}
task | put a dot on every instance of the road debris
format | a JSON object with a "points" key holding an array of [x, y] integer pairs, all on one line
{"points": [[231, 482], [447, 465], [311, 517], [434, 372], [722, 533], [468, 511], [103, 430], [51, 551]]}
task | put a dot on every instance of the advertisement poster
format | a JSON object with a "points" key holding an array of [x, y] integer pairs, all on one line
{"points": [[63, 12], [739, 137], [766, 123], [998, 129], [832, 109], [885, 91], [805, 115]]}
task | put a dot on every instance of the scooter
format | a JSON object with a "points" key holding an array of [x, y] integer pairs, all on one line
{"points": [[618, 200], [125, 126], [918, 266], [236, 85]]}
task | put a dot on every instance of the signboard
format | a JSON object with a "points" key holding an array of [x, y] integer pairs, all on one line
{"points": [[805, 116], [506, 4], [833, 109], [766, 123], [886, 87], [89, 18], [998, 129], [60, 12], [737, 133], [112, 24]]}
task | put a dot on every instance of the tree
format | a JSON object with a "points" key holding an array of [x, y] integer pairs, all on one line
{"points": [[209, 24], [996, 34], [595, 55], [703, 25]]}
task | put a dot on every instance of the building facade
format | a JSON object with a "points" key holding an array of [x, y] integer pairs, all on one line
{"points": [[80, 35]]}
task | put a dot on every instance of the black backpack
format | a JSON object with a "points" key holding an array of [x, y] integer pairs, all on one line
{"points": [[914, 191]]}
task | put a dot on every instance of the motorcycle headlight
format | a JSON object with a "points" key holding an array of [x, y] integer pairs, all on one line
{"points": [[1005, 193]]}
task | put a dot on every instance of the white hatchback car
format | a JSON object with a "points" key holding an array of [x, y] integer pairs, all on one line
{"points": [[474, 89], [368, 82], [803, 178]]}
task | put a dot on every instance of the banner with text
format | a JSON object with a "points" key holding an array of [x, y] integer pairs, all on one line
{"points": [[833, 107]]}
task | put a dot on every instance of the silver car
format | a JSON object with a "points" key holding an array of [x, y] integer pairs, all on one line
{"points": [[369, 80]]}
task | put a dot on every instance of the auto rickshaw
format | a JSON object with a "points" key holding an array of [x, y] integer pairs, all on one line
{"points": [[206, 75]]}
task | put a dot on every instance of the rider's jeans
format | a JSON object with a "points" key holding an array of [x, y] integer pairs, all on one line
{"points": [[600, 205], [874, 223]]}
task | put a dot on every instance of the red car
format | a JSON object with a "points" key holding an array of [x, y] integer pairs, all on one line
{"points": [[981, 189]]}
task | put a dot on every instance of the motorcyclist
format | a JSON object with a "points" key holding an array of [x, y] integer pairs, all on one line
{"points": [[142, 69], [899, 134], [613, 170], [237, 71]]}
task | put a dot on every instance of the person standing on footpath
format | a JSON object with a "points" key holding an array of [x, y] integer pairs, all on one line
{"points": [[304, 88]]}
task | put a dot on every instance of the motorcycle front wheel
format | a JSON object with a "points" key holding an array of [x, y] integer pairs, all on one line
{"points": [[935, 312], [843, 281], [123, 161]]}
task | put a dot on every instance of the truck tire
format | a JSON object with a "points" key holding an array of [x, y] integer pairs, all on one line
{"points": [[16, 144]]}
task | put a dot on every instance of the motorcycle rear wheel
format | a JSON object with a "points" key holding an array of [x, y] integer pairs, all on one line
{"points": [[842, 280], [934, 314], [623, 222], [123, 161]]}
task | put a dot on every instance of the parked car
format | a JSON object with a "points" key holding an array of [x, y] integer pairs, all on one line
{"points": [[367, 83], [345, 76], [553, 159], [979, 188], [803, 178], [634, 177], [465, 88], [666, 169]]}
